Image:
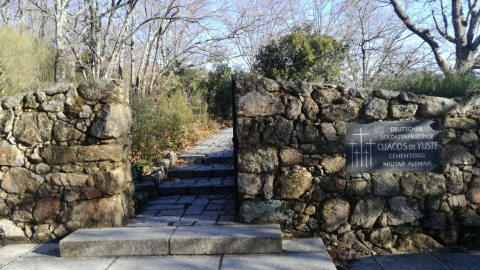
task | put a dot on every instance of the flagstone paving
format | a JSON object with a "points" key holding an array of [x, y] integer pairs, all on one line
{"points": [[198, 193]]}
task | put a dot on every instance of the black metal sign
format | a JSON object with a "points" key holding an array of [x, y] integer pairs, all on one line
{"points": [[393, 147]]}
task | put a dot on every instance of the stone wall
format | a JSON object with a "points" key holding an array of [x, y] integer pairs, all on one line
{"points": [[64, 161], [291, 148]]}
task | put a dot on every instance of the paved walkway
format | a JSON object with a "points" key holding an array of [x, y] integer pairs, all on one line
{"points": [[297, 255], [438, 261], [200, 193]]}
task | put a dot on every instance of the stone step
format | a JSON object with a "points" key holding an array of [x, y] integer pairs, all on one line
{"points": [[226, 239], [197, 186], [218, 159], [202, 170], [108, 242], [190, 240], [192, 158]]}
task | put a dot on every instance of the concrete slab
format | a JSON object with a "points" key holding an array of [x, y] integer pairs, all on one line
{"points": [[226, 219], [297, 261], [411, 262], [167, 262], [304, 245], [11, 252], [52, 263], [48, 250], [460, 261], [367, 263], [183, 223], [117, 242], [152, 221], [226, 239], [199, 220]]}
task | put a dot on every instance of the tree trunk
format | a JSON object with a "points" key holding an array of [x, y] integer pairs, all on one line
{"points": [[60, 39]]}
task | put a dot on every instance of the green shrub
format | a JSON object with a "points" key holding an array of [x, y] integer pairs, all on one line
{"points": [[302, 54], [434, 84], [25, 62], [166, 119], [219, 91]]}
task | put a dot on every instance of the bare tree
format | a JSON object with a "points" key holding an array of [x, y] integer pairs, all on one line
{"points": [[270, 19], [463, 17], [379, 45]]}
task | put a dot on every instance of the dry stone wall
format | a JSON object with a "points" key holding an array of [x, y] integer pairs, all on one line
{"points": [[64, 161], [291, 167]]}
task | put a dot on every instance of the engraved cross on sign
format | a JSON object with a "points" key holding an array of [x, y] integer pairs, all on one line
{"points": [[361, 135], [352, 147], [370, 143]]}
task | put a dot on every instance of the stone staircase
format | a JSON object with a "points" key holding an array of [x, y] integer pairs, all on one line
{"points": [[195, 215]]}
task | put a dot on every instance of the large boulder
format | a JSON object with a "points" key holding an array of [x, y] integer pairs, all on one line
{"points": [[292, 184], [376, 109], [261, 212], [333, 164], [335, 213], [278, 133], [385, 184], [20, 180], [257, 160], [11, 233], [95, 213], [112, 121], [67, 179], [290, 156], [31, 128], [254, 104], [367, 211], [456, 155], [45, 208], [310, 109], [63, 132], [249, 184], [401, 211], [10, 155], [340, 112], [6, 121], [103, 91]]}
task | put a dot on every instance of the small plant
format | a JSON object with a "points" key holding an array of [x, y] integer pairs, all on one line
{"points": [[435, 84]]}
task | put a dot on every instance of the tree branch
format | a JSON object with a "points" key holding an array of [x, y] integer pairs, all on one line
{"points": [[423, 33], [458, 23], [442, 32], [472, 29]]}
